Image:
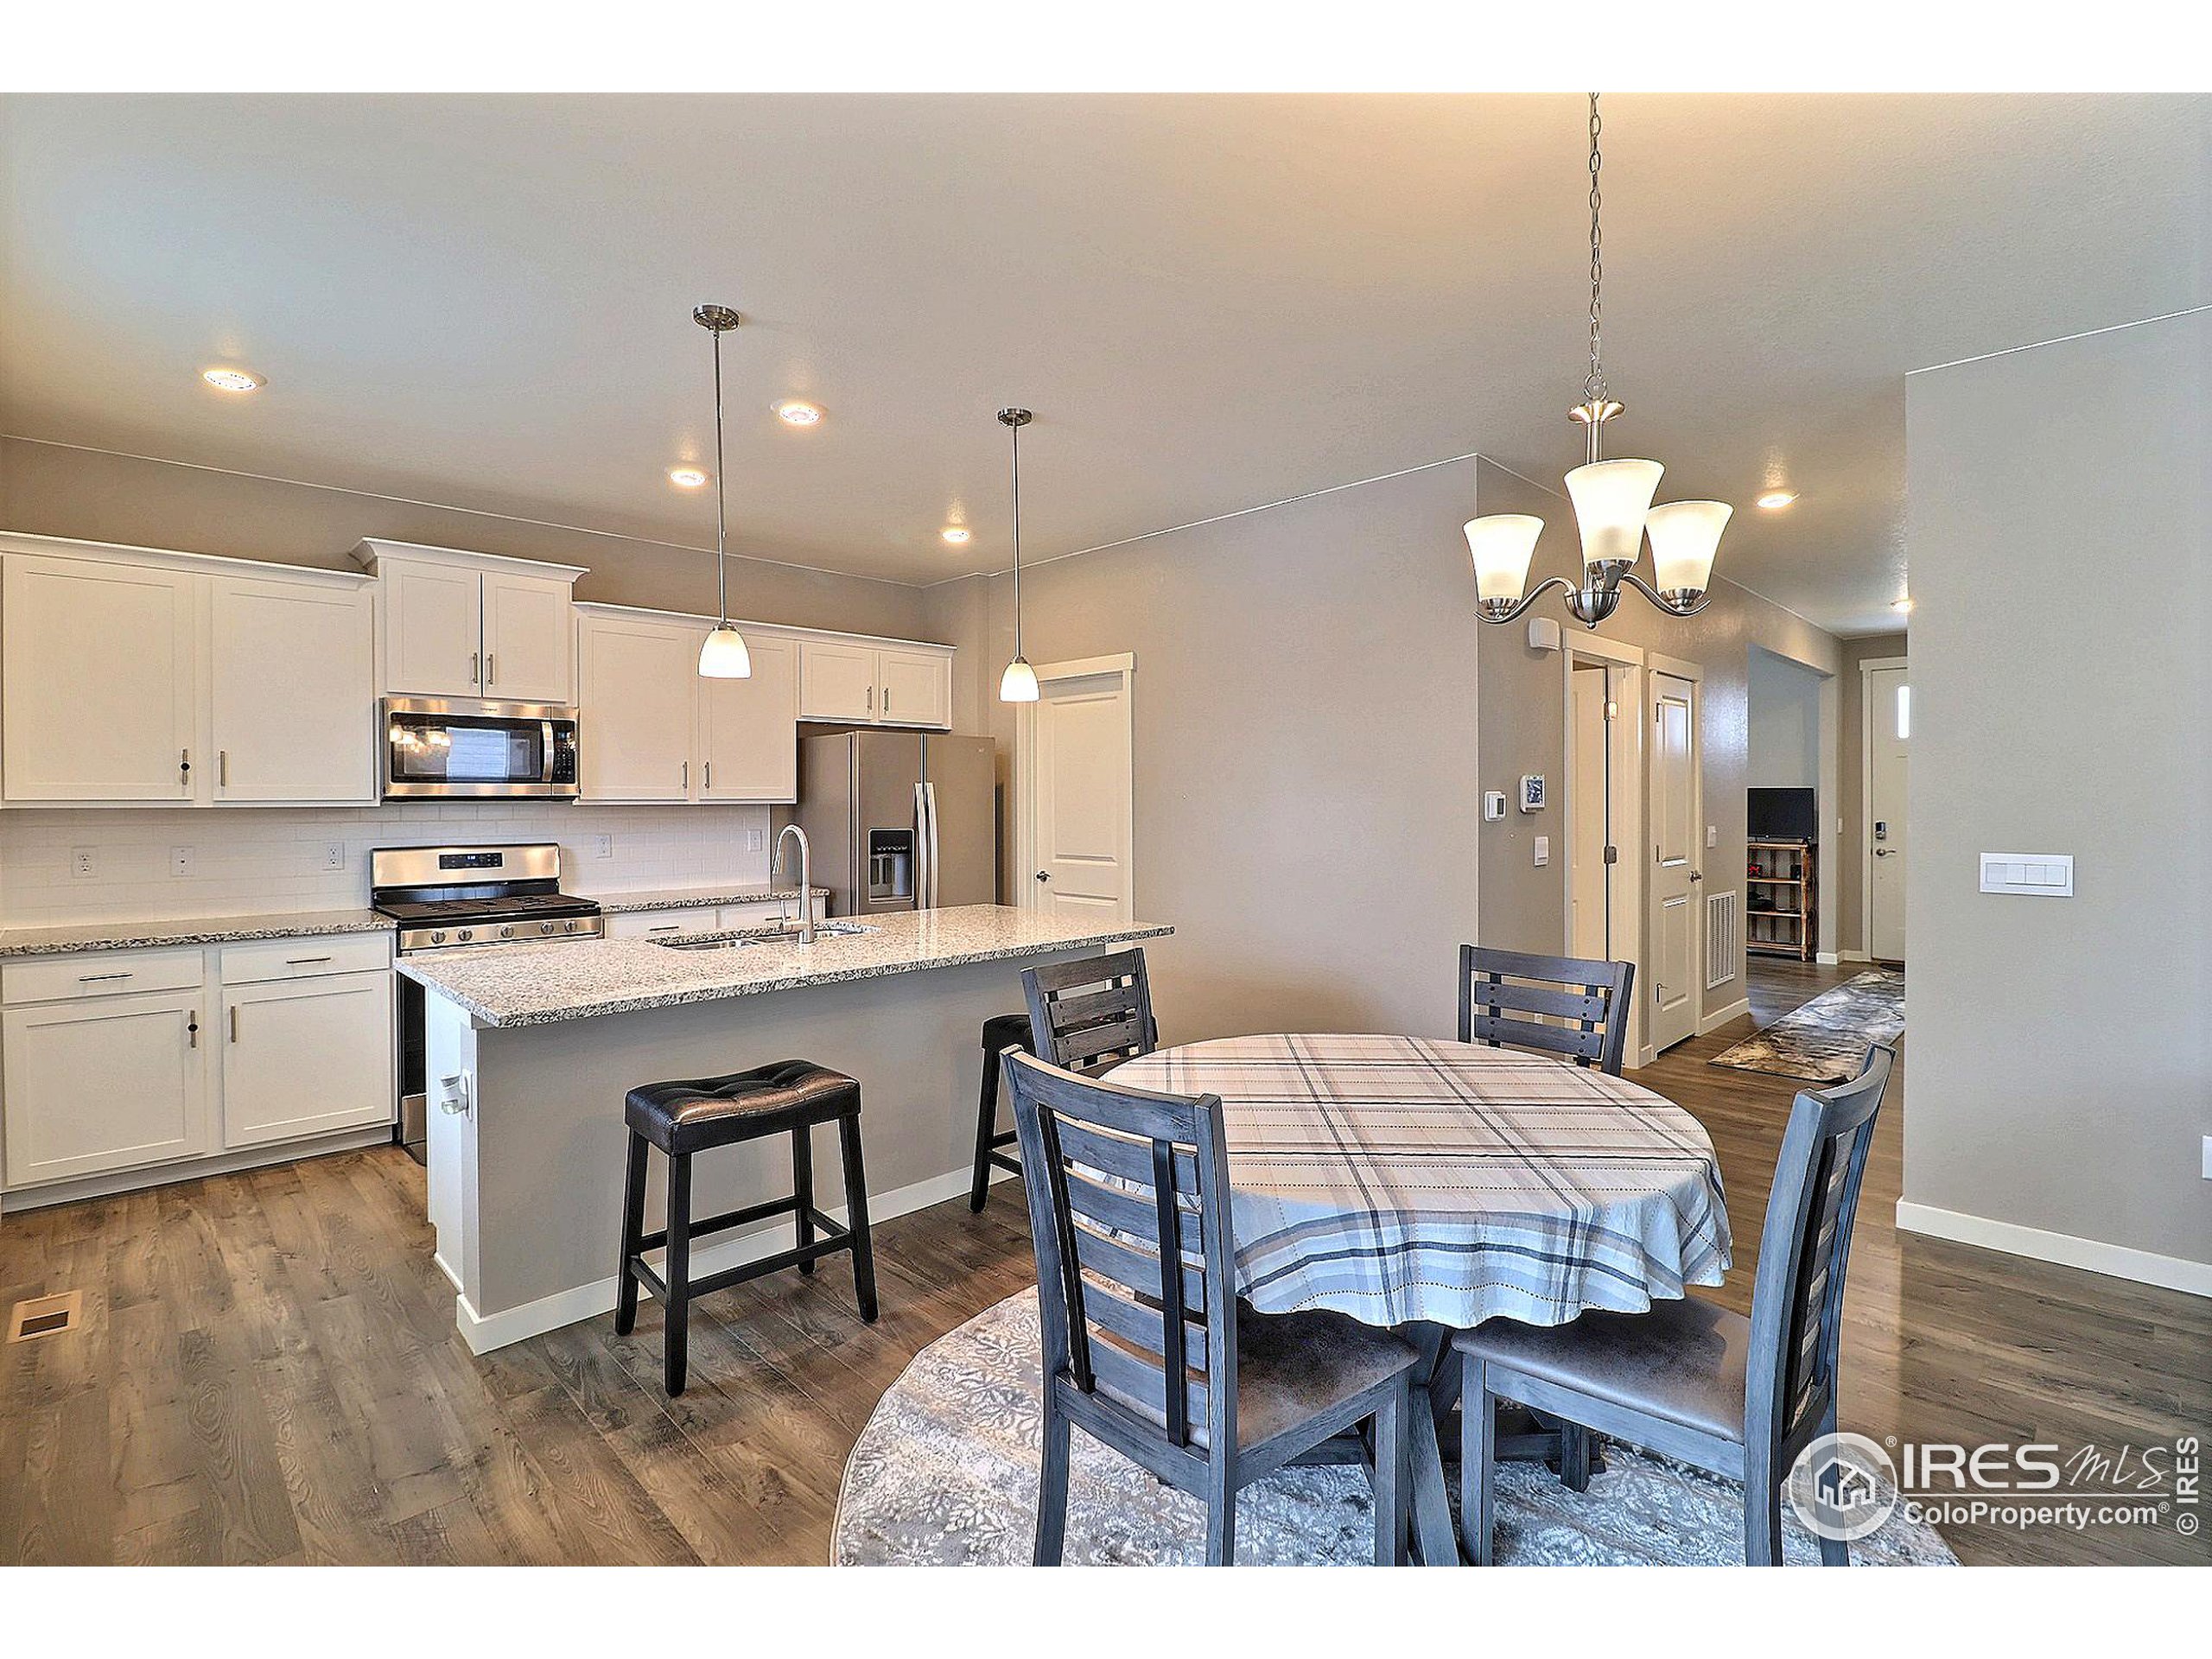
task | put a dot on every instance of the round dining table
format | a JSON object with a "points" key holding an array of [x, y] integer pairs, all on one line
{"points": [[1427, 1186]]}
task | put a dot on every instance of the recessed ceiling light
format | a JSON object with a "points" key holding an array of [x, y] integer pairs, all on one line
{"points": [[1774, 500], [686, 478], [1900, 606], [956, 534], [232, 379], [795, 412]]}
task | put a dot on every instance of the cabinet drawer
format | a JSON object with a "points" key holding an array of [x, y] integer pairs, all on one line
{"points": [[255, 960], [101, 973], [660, 924]]}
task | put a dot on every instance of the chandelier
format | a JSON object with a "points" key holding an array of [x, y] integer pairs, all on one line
{"points": [[1612, 504]]}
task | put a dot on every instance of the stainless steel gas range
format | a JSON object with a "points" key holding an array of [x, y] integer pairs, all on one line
{"points": [[458, 898]]}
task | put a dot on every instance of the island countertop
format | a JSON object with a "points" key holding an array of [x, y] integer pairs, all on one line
{"points": [[545, 985]]}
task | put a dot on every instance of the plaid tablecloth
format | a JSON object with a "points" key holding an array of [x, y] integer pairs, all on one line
{"points": [[1397, 1178]]}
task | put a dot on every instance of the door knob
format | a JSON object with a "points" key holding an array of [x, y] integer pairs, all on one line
{"points": [[1697, 875], [1042, 876]]}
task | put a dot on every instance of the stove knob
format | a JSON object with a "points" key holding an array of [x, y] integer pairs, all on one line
{"points": [[438, 936], [467, 934], [506, 933], [547, 927]]}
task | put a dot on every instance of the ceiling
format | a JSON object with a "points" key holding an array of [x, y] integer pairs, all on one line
{"points": [[1211, 302]]}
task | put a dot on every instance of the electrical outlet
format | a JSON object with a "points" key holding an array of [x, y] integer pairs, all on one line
{"points": [[333, 854], [603, 846], [84, 865], [180, 861]]}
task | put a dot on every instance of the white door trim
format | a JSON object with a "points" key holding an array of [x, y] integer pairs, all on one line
{"points": [[1124, 665], [1867, 799]]}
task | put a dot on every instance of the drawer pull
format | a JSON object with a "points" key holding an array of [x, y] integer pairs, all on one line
{"points": [[94, 979], [303, 961], [666, 927]]}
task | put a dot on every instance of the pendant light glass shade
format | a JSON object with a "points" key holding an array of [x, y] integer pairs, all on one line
{"points": [[1611, 500], [1503, 544], [1685, 535], [1018, 682], [723, 656]]}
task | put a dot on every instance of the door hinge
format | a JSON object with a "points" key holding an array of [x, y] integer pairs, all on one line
{"points": [[1612, 855]]}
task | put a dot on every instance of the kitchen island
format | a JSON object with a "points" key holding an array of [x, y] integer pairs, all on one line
{"points": [[531, 1048]]}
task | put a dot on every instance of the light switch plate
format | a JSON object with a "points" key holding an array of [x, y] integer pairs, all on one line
{"points": [[602, 846], [1712, 834], [180, 861], [753, 841], [2042, 875], [2208, 1157], [1543, 851]]}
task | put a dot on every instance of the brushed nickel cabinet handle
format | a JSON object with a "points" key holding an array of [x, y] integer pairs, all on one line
{"points": [[710, 774], [234, 1022], [473, 660], [94, 979], [303, 961], [223, 767], [491, 668]]}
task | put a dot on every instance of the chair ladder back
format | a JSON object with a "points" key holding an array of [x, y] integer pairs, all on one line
{"points": [[1088, 1015], [1797, 1301], [1516, 999], [1128, 1234]]}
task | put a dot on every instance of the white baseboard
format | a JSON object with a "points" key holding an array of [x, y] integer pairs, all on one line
{"points": [[193, 1169], [483, 1332], [2113, 1261], [1848, 956], [1717, 1018], [1827, 958]]}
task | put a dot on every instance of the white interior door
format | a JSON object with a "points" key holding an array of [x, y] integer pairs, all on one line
{"points": [[317, 741], [1888, 727], [1671, 953], [1080, 796], [1589, 824]]}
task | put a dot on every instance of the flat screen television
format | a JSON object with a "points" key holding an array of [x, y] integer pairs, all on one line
{"points": [[1780, 815]]}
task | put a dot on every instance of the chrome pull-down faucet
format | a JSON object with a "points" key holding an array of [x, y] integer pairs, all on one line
{"points": [[805, 879]]}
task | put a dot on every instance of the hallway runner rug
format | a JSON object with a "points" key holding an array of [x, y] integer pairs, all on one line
{"points": [[1826, 1040]]}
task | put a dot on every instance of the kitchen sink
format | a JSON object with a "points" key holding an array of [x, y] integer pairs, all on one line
{"points": [[759, 936]]}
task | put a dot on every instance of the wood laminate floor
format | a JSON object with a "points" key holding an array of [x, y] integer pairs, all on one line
{"points": [[267, 1370]]}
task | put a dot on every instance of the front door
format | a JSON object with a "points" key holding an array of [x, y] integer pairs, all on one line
{"points": [[1080, 797], [1672, 946], [1889, 732]]}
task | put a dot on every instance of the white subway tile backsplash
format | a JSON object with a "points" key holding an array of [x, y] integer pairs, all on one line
{"points": [[251, 860]]}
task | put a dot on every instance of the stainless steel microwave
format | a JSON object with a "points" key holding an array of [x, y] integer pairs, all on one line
{"points": [[434, 747]]}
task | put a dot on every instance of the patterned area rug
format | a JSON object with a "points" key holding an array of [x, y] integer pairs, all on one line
{"points": [[945, 1475], [1826, 1040]]}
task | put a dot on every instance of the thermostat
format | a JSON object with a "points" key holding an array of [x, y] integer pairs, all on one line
{"points": [[1532, 792]]}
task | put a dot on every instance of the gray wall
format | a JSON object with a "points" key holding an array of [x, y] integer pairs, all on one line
{"points": [[1848, 878], [1782, 724], [2061, 1054], [51, 490], [1523, 720], [1305, 707]]}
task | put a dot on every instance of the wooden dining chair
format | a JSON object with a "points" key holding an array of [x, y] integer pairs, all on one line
{"points": [[1144, 1347], [1690, 1380], [1088, 1015], [1507, 997]]}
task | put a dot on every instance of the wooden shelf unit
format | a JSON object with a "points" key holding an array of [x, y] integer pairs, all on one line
{"points": [[1786, 876]]}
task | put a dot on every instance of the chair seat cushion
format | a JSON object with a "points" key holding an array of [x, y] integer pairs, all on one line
{"points": [[1292, 1367], [688, 1113], [1683, 1361], [1005, 1030]]}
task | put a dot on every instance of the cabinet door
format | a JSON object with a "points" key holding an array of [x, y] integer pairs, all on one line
{"points": [[914, 688], [291, 671], [433, 630], [530, 636], [748, 730], [101, 677], [306, 1056], [637, 703], [835, 681], [106, 1084]]}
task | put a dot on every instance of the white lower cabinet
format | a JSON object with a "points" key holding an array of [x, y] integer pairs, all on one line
{"points": [[306, 1057], [116, 1061], [105, 1084]]}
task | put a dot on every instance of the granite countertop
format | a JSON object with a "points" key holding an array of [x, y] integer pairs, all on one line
{"points": [[544, 984], [195, 929], [614, 904]]}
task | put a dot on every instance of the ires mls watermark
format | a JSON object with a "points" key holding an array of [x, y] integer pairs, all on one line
{"points": [[1846, 1487]]}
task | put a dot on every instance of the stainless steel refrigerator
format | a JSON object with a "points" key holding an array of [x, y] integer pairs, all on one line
{"points": [[899, 820]]}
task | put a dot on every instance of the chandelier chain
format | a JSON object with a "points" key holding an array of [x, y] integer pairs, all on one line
{"points": [[1593, 387]]}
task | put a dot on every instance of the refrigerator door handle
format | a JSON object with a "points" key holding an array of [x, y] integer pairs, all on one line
{"points": [[922, 860], [936, 887]]}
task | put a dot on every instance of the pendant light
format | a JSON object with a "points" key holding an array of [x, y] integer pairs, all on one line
{"points": [[1612, 504], [723, 656], [1018, 682]]}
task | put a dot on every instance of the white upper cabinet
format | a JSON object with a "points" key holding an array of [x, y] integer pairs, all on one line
{"points": [[637, 711], [316, 742], [863, 682], [748, 730], [913, 688], [101, 681], [474, 625], [528, 656]]}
